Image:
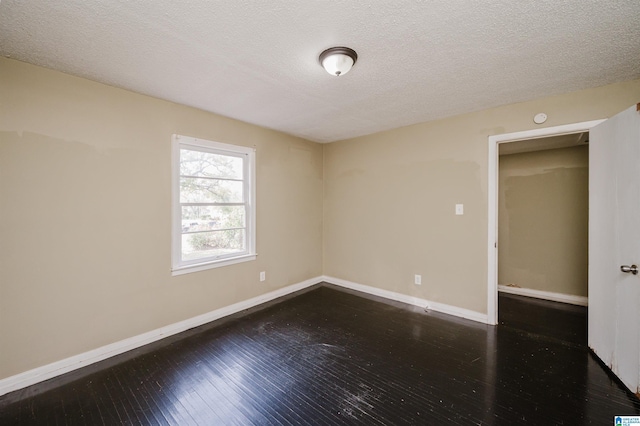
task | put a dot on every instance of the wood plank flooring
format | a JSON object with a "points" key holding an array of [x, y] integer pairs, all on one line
{"points": [[553, 320], [330, 356]]}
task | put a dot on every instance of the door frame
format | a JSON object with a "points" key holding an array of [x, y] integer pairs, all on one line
{"points": [[492, 194]]}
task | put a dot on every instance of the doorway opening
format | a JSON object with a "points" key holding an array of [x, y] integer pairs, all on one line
{"points": [[512, 143]]}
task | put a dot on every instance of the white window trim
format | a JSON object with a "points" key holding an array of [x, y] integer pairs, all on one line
{"points": [[178, 267]]}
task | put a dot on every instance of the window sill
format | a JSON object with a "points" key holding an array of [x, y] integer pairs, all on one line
{"points": [[213, 264]]}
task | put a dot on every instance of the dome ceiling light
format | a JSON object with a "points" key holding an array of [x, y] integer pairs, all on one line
{"points": [[338, 60]]}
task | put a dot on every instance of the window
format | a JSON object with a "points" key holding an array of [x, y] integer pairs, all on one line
{"points": [[213, 204]]}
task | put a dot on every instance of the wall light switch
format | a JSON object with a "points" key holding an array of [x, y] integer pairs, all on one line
{"points": [[459, 209]]}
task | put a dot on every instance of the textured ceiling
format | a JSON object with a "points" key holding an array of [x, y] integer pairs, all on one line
{"points": [[257, 61]]}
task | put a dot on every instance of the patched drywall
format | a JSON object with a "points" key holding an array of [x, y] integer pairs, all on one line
{"points": [[543, 220], [389, 198], [85, 208]]}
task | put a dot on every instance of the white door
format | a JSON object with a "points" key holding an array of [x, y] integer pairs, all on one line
{"points": [[614, 242]]}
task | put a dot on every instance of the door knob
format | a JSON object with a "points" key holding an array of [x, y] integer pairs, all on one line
{"points": [[633, 269]]}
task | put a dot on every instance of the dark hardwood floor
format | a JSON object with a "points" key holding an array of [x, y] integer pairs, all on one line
{"points": [[331, 356], [552, 320]]}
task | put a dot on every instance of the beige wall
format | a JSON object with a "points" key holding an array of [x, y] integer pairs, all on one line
{"points": [[85, 215], [543, 220], [389, 197], [85, 209]]}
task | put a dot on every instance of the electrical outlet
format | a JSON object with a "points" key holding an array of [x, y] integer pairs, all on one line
{"points": [[459, 209], [418, 280], [263, 276]]}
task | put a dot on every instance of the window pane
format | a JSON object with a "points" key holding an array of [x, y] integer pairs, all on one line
{"points": [[206, 164], [212, 204], [207, 218], [194, 190], [215, 243]]}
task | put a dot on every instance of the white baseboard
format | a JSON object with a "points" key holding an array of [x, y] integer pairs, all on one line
{"points": [[75, 362], [46, 372], [423, 303], [546, 295]]}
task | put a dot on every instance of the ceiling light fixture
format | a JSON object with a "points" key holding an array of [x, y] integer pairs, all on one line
{"points": [[338, 60]]}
